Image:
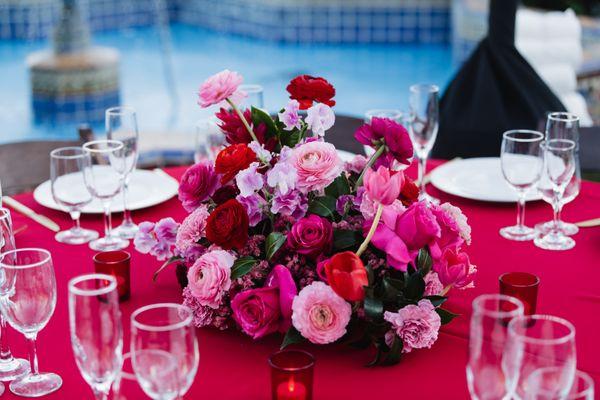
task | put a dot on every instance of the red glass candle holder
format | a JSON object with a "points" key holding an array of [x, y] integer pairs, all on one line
{"points": [[292, 375], [523, 286], [116, 263]]}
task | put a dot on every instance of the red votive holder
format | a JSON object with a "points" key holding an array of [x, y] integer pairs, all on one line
{"points": [[523, 286], [292, 375], [117, 264]]}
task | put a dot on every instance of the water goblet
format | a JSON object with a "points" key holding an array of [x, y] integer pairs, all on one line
{"points": [[521, 161], [156, 372], [209, 140], [126, 385], [541, 382], [253, 96]]}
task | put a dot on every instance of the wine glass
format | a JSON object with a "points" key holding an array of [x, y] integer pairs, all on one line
{"points": [[69, 191], [487, 342], [209, 140], [96, 330], [253, 96], [126, 385], [541, 382], [28, 305], [121, 125], [539, 341], [423, 128], [389, 113], [164, 329], [156, 372], [559, 168], [104, 168], [562, 125], [522, 163]]}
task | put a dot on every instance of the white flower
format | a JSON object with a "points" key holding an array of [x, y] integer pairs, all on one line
{"points": [[320, 117]]}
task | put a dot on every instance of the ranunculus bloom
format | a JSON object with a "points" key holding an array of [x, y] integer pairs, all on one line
{"points": [[308, 89], [265, 310], [197, 184], [319, 314], [227, 225], [311, 236], [347, 275], [192, 229], [289, 117], [235, 131], [395, 137], [232, 159], [317, 165], [454, 268], [210, 277], [218, 88], [320, 118], [416, 325], [382, 185]]}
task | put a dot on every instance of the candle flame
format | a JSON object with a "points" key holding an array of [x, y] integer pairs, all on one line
{"points": [[291, 385]]}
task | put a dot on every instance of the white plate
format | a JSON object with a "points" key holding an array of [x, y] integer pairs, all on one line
{"points": [[345, 156], [477, 179], [146, 189]]}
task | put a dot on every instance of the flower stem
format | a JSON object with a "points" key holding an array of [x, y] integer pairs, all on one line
{"points": [[370, 163], [239, 113], [364, 244]]}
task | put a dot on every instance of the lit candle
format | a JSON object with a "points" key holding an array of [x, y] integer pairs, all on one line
{"points": [[291, 390]]}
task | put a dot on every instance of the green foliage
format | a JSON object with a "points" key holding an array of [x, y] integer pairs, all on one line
{"points": [[273, 243], [344, 239], [292, 336], [323, 206], [445, 315], [340, 186], [242, 266]]}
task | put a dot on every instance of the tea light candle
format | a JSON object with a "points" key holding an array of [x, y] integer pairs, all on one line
{"points": [[291, 390], [117, 264], [292, 375]]}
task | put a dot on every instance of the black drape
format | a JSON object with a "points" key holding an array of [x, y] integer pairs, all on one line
{"points": [[495, 90]]}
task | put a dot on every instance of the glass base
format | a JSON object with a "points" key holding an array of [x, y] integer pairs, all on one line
{"points": [[13, 369], [518, 233], [126, 230], [424, 196], [565, 227], [36, 385], [109, 243], [76, 236], [554, 241]]}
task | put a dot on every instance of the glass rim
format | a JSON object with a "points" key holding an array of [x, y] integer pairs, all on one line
{"points": [[251, 88], [163, 328], [92, 277], [55, 153], [4, 213], [478, 306], [119, 110], [25, 266], [431, 88], [309, 365], [124, 252], [544, 317], [537, 136], [563, 116], [579, 375], [119, 145], [537, 279], [548, 144]]}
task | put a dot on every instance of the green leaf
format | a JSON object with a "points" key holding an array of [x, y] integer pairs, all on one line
{"points": [[436, 300], [290, 138], [373, 308], [344, 239], [273, 243], [323, 206], [338, 187], [424, 261], [259, 116], [370, 274], [292, 336], [445, 315], [393, 356], [242, 266], [415, 286], [390, 291]]}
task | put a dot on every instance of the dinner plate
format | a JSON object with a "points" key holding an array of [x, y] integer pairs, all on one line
{"points": [[477, 179], [345, 156], [146, 189]]}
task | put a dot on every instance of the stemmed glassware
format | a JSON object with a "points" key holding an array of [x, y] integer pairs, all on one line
{"points": [[28, 304], [389, 113], [423, 128], [104, 166], [121, 125], [96, 330], [69, 191], [254, 96], [559, 168], [162, 334], [209, 140], [541, 382], [522, 163]]}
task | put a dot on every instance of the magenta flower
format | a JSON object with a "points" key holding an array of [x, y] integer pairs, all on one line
{"points": [[454, 269], [249, 180], [450, 233], [320, 118], [197, 184], [254, 205], [460, 219], [384, 131], [311, 236], [219, 87], [292, 204], [210, 277], [417, 227], [382, 185], [387, 240], [290, 117], [317, 165], [417, 325]]}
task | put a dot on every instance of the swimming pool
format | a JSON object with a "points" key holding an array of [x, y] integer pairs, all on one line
{"points": [[365, 76]]}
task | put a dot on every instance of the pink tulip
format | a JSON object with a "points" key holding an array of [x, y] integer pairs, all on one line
{"points": [[383, 186]]}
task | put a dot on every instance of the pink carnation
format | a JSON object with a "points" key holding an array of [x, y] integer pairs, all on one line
{"points": [[210, 277], [218, 88], [460, 219], [192, 229], [319, 314], [433, 286], [416, 325], [317, 165]]}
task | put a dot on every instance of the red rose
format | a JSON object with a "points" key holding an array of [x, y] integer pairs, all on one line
{"points": [[227, 225], [347, 275], [233, 159], [409, 193], [308, 89]]}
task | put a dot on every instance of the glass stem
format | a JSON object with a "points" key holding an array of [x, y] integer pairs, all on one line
{"points": [[100, 395], [107, 219], [556, 208], [75, 215], [126, 213], [5, 354], [33, 359], [521, 210], [422, 168]]}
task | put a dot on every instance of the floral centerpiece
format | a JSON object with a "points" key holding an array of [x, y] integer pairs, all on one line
{"points": [[282, 236]]}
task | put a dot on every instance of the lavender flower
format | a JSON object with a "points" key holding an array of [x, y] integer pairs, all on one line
{"points": [[292, 203], [290, 117], [282, 176], [254, 205], [249, 180], [320, 117], [344, 203], [157, 239], [263, 154], [144, 239]]}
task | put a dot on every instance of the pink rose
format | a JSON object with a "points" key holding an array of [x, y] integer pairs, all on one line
{"points": [[218, 88], [416, 325], [197, 184], [455, 269], [265, 310], [317, 165], [210, 277], [319, 314], [383, 186], [311, 236], [417, 227]]}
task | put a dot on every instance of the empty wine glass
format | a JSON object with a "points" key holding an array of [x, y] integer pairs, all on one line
{"points": [[164, 329], [121, 125], [156, 372], [389, 113], [209, 140], [254, 96], [103, 171], [522, 163], [30, 299], [559, 168], [562, 125], [487, 342], [126, 385], [423, 128], [539, 341], [96, 330], [541, 382], [69, 191]]}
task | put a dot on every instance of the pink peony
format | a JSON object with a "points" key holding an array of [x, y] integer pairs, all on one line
{"points": [[416, 325], [218, 88], [210, 277], [317, 165], [197, 184], [433, 286], [319, 314], [311, 236], [192, 229], [382, 185], [454, 269]]}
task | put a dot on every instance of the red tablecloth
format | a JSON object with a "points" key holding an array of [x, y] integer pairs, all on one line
{"points": [[232, 366]]}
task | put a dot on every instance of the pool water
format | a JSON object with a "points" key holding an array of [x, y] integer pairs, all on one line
{"points": [[365, 76]]}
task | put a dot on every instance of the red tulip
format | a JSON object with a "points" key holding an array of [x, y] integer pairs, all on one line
{"points": [[347, 275]]}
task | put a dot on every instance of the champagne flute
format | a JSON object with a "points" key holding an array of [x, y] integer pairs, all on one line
{"points": [[121, 125], [103, 169], [209, 140], [96, 330], [559, 168], [423, 128], [522, 163], [69, 191], [28, 305], [541, 382]]}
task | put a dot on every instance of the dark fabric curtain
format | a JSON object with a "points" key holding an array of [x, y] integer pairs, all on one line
{"points": [[495, 90]]}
